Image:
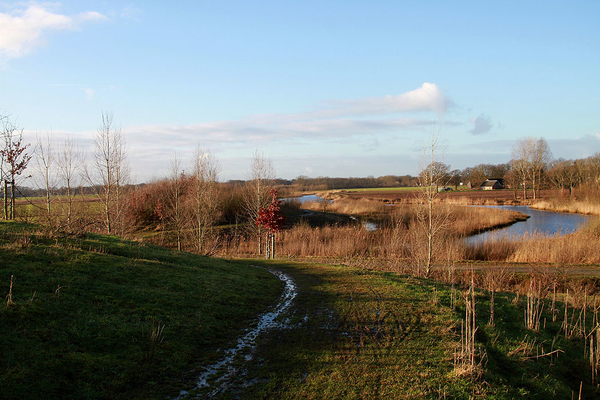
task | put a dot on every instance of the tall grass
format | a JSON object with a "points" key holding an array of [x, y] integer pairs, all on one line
{"points": [[348, 206], [396, 241], [558, 205]]}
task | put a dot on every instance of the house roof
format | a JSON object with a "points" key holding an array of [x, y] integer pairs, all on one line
{"points": [[492, 182]]}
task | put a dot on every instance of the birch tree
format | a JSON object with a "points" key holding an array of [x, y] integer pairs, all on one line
{"points": [[541, 156], [46, 169], [206, 171], [176, 215], [69, 162], [257, 192], [110, 163], [521, 155], [529, 159], [431, 220]]}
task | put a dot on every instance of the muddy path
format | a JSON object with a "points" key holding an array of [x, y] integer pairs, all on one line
{"points": [[218, 377]]}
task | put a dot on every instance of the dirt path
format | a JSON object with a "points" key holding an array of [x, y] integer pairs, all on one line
{"points": [[218, 377]]}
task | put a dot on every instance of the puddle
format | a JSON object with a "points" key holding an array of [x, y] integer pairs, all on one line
{"points": [[225, 368]]}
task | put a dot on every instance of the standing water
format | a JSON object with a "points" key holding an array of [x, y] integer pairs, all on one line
{"points": [[544, 222], [246, 344]]}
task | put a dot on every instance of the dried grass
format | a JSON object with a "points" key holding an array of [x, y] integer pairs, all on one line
{"points": [[572, 206], [348, 206]]}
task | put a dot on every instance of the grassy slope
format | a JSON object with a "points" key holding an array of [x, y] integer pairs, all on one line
{"points": [[85, 311], [361, 334], [357, 334]]}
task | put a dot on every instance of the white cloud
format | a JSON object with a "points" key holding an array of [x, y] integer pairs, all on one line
{"points": [[481, 125], [429, 97], [23, 30]]}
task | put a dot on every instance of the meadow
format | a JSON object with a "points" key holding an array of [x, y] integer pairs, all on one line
{"points": [[101, 317], [95, 316]]}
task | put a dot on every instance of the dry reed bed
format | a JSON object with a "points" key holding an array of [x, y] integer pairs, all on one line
{"points": [[397, 236], [348, 206], [578, 207]]}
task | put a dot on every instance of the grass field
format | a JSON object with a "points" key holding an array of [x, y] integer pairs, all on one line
{"points": [[370, 335], [98, 317]]}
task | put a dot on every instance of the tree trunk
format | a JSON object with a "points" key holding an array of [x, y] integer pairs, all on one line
{"points": [[259, 241], [5, 200], [12, 200], [267, 248], [272, 245]]}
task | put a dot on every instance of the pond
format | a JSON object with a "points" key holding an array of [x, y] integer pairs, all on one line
{"points": [[544, 222], [305, 198]]}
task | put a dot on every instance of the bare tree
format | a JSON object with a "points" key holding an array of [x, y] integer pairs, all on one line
{"points": [[206, 171], [46, 169], [13, 162], [593, 163], [257, 194], [541, 156], [110, 163], [521, 156], [69, 160], [530, 159], [176, 215], [431, 220]]}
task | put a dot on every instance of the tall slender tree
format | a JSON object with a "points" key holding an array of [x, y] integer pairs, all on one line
{"points": [[176, 192], [257, 192], [541, 156], [206, 172], [70, 161], [112, 171], [431, 220], [521, 155], [46, 169]]}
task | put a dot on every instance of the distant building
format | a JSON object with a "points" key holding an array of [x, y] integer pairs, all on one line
{"points": [[492, 184]]}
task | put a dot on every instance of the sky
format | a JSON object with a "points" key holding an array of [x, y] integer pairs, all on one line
{"points": [[321, 88]]}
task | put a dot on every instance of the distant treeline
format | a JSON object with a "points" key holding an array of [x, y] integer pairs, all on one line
{"points": [[304, 183]]}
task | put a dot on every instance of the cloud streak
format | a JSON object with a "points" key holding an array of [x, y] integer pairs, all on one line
{"points": [[23, 30]]}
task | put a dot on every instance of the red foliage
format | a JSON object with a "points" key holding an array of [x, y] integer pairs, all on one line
{"points": [[14, 157], [271, 218]]}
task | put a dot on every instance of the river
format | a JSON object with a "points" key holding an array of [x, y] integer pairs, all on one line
{"points": [[543, 222], [306, 198]]}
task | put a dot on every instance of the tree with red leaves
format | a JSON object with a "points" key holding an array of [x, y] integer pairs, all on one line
{"points": [[273, 221], [13, 161]]}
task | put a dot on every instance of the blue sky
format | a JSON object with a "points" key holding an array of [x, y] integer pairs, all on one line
{"points": [[322, 88]]}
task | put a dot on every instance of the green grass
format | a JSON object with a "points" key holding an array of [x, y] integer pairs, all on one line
{"points": [[360, 334], [84, 312]]}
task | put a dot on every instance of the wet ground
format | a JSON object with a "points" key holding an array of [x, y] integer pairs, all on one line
{"points": [[216, 378]]}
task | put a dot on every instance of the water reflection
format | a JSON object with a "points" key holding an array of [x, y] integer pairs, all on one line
{"points": [[544, 222], [306, 198]]}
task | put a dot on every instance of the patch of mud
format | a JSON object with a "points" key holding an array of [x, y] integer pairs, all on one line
{"points": [[217, 377]]}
